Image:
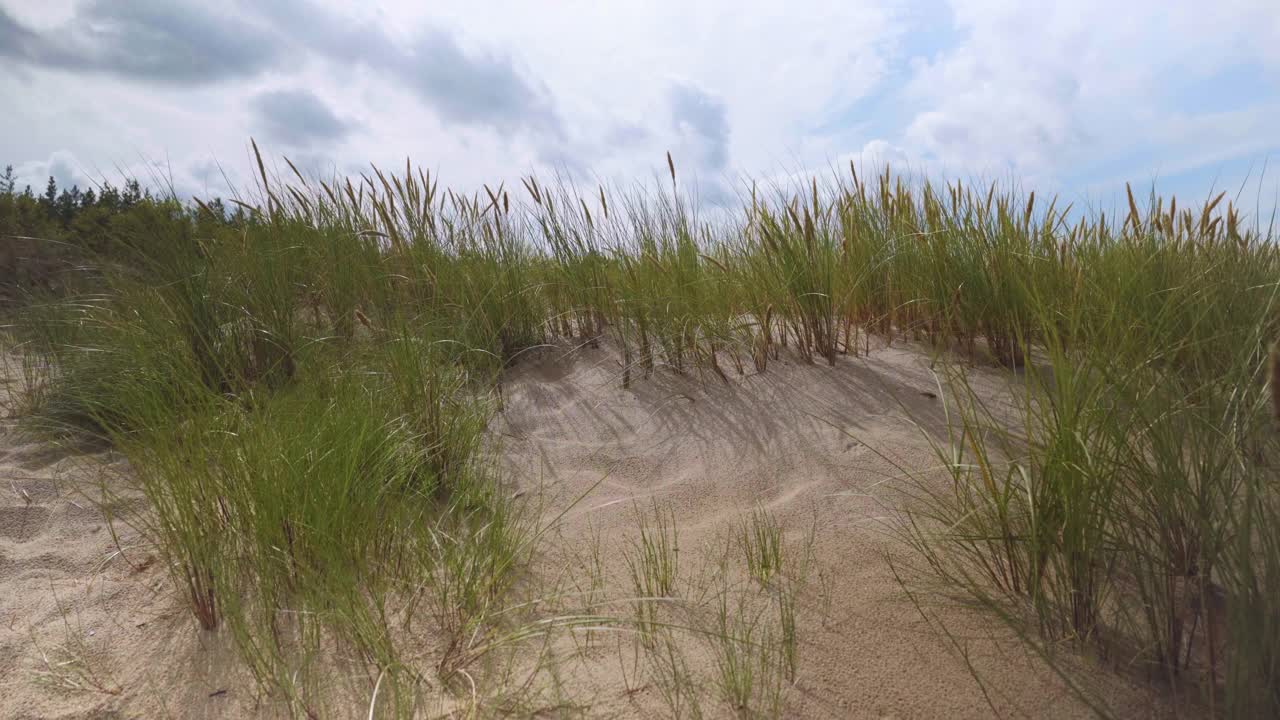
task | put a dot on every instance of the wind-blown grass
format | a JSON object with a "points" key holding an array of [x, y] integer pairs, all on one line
{"points": [[1123, 508], [303, 394]]}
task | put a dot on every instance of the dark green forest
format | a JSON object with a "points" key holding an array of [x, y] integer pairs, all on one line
{"points": [[50, 239]]}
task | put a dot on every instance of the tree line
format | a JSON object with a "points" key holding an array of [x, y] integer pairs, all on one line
{"points": [[46, 239]]}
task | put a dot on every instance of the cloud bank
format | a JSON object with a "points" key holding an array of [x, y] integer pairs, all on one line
{"points": [[1072, 98]]}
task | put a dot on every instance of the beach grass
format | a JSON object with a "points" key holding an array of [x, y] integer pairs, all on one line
{"points": [[303, 395]]}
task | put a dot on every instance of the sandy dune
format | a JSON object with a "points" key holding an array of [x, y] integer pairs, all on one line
{"points": [[87, 632], [819, 447]]}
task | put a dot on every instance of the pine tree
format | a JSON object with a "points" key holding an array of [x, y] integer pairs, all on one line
{"points": [[110, 197], [50, 199], [7, 181], [67, 204], [132, 194], [218, 209]]}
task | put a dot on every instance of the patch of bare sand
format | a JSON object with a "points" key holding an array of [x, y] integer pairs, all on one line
{"points": [[88, 632], [822, 449]]}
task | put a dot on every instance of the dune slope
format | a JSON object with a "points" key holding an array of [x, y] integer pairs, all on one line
{"points": [[89, 631]]}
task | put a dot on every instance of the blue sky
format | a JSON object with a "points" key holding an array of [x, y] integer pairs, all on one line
{"points": [[1068, 98]]}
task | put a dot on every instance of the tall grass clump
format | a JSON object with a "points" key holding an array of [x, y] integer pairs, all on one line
{"points": [[1117, 498], [306, 422], [303, 390]]}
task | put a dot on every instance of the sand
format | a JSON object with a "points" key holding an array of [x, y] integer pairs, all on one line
{"points": [[90, 625], [821, 448]]}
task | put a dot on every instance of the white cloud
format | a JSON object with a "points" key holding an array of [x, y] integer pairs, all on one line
{"points": [[1057, 95], [455, 86], [61, 165], [1046, 91]]}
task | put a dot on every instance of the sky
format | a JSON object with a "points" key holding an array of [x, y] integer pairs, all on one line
{"points": [[1072, 99]]}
